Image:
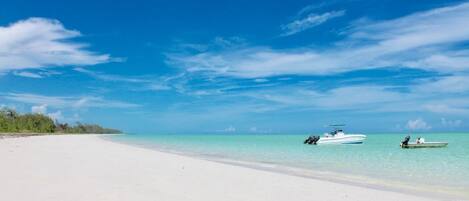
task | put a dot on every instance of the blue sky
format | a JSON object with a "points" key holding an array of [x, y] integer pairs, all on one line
{"points": [[239, 67]]}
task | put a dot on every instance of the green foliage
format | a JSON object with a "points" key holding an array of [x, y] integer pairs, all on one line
{"points": [[12, 122], [84, 128]]}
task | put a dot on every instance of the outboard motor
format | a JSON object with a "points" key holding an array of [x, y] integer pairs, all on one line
{"points": [[315, 139], [311, 140], [406, 140]]}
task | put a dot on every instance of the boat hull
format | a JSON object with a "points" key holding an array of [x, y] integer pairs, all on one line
{"points": [[425, 145], [346, 139]]}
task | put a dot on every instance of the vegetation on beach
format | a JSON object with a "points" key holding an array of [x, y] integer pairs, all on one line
{"points": [[14, 122]]}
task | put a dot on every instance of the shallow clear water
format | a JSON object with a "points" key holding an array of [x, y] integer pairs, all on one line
{"points": [[380, 157]]}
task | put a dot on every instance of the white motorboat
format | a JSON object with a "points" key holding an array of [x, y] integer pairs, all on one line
{"points": [[425, 145], [337, 136], [420, 143]]}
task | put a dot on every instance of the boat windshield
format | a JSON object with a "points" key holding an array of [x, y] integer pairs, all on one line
{"points": [[336, 130]]}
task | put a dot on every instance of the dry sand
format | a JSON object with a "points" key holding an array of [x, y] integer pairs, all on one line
{"points": [[87, 167]]}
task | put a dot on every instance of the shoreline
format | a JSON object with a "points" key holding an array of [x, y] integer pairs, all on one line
{"points": [[91, 167], [329, 176], [19, 135]]}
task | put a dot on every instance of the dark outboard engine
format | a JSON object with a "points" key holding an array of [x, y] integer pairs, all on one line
{"points": [[316, 139], [406, 140], [311, 140]]}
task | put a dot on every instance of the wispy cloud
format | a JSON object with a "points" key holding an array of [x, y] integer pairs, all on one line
{"points": [[446, 84], [454, 106], [261, 80], [309, 8], [27, 74], [372, 98], [36, 74], [39, 43], [310, 21], [69, 102], [451, 123], [429, 43], [148, 83], [42, 109], [109, 77], [430, 40], [418, 124], [229, 129], [363, 98], [158, 87], [255, 129], [366, 97]]}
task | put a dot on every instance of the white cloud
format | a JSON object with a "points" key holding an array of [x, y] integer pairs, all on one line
{"points": [[447, 84], [56, 116], [27, 74], [309, 21], [310, 8], [229, 42], [450, 123], [109, 77], [418, 124], [40, 109], [201, 93], [67, 101], [449, 106], [40, 43], [229, 129], [258, 130], [429, 40], [261, 80], [159, 87], [337, 99], [147, 83], [359, 98]]}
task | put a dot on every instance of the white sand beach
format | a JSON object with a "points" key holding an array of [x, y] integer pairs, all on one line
{"points": [[87, 167]]}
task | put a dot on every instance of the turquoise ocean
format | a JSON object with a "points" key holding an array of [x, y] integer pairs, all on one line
{"points": [[378, 162]]}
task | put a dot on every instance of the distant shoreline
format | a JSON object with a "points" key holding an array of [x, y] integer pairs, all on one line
{"points": [[15, 123], [18, 135]]}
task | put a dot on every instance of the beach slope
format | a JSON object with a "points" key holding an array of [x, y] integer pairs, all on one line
{"points": [[87, 167]]}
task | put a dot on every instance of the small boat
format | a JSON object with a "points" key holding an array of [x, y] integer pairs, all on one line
{"points": [[337, 136], [420, 143]]}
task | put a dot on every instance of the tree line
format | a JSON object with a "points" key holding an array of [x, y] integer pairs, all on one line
{"points": [[14, 122]]}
